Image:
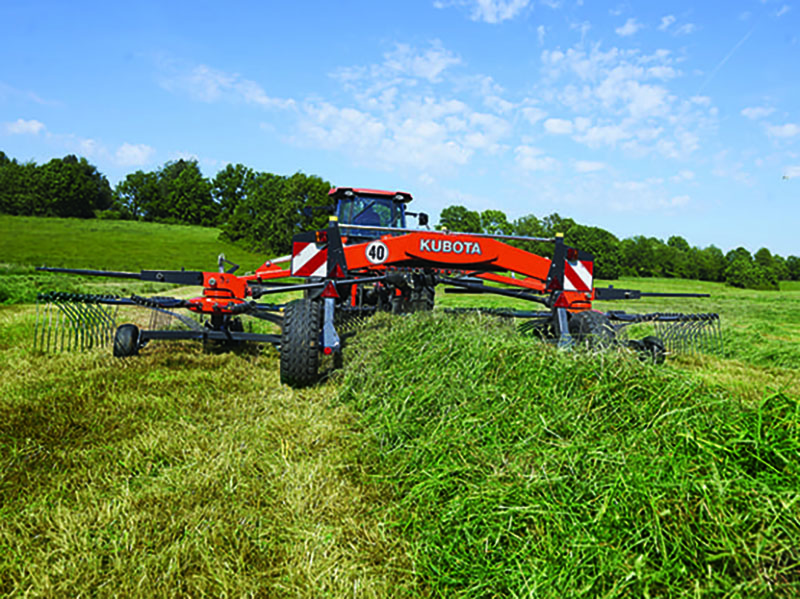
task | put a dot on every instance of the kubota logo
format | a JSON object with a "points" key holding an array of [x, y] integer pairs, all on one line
{"points": [[447, 246]]}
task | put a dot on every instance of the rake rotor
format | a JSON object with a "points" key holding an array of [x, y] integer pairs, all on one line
{"points": [[73, 321], [679, 333]]}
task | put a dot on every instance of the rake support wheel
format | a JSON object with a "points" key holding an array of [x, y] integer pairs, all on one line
{"points": [[592, 330], [126, 341], [300, 344]]}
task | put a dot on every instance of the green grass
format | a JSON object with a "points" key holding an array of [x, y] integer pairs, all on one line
{"points": [[114, 245], [450, 458], [182, 473], [27, 242], [519, 470]]}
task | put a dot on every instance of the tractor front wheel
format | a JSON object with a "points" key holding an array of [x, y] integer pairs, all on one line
{"points": [[300, 343]]}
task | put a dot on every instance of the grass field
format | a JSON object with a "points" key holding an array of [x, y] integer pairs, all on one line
{"points": [[27, 242], [450, 457]]}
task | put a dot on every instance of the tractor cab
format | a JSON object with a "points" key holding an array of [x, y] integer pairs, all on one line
{"points": [[369, 207]]}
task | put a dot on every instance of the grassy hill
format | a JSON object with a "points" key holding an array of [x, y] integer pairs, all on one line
{"points": [[450, 457], [27, 242]]}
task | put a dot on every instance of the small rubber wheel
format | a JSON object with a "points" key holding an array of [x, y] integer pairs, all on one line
{"points": [[126, 341], [654, 349], [592, 330], [300, 347]]}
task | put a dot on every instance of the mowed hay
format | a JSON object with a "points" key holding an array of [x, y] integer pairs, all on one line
{"points": [[182, 473], [521, 470]]}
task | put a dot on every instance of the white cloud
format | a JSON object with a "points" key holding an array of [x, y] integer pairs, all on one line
{"points": [[791, 172], [495, 11], [540, 33], [206, 84], [134, 154], [91, 148], [666, 22], [23, 127], [587, 166], [533, 159], [558, 126], [428, 64], [783, 10], [623, 98], [686, 29], [678, 201], [783, 131], [648, 194], [399, 116], [683, 176], [630, 27], [662, 72], [603, 135], [583, 28], [757, 112], [533, 114]]}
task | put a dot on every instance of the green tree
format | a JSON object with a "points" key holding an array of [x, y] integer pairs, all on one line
{"points": [[745, 272], [779, 267], [530, 226], [136, 195], [20, 189], [603, 245], [229, 188], [271, 211], [555, 224], [495, 222], [639, 256], [793, 267], [185, 195], [461, 219], [73, 187], [711, 264]]}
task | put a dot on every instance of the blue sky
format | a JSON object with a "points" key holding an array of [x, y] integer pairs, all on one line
{"points": [[654, 118]]}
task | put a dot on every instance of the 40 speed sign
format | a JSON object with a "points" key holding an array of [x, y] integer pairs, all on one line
{"points": [[377, 252]]}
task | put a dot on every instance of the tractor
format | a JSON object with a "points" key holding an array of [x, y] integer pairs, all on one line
{"points": [[368, 260]]}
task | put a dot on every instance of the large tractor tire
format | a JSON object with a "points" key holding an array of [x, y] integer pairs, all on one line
{"points": [[300, 345], [592, 330], [126, 341]]}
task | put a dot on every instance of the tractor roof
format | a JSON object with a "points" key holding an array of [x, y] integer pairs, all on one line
{"points": [[340, 192]]}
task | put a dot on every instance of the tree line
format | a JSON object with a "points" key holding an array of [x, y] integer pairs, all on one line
{"points": [[262, 211], [637, 256]]}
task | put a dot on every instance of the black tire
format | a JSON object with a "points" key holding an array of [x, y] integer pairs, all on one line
{"points": [[592, 330], [653, 348], [126, 341], [302, 323], [650, 349]]}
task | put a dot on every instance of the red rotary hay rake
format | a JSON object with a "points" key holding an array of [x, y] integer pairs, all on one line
{"points": [[365, 261]]}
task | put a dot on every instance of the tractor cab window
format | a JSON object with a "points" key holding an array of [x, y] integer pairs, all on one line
{"points": [[370, 211]]}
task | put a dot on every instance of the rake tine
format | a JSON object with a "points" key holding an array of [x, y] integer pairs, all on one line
{"points": [[75, 317], [68, 327], [82, 324], [36, 326], [96, 323], [50, 325]]}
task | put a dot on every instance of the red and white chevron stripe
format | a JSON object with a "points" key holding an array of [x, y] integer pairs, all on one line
{"points": [[578, 275], [309, 260]]}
